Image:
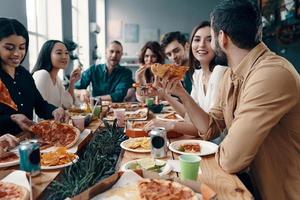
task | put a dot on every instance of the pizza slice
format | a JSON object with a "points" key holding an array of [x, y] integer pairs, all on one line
{"points": [[5, 97], [160, 70], [8, 157], [13, 191]]}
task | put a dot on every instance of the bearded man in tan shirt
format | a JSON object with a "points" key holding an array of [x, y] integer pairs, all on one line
{"points": [[258, 103]]}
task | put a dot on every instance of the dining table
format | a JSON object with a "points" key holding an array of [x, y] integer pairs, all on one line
{"points": [[227, 186]]}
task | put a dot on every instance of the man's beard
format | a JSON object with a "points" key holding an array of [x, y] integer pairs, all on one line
{"points": [[221, 57]]}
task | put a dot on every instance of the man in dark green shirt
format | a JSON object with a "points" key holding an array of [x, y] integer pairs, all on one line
{"points": [[110, 81]]}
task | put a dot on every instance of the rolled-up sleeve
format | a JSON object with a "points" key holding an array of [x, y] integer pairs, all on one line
{"points": [[85, 79], [216, 120], [267, 95], [124, 84]]}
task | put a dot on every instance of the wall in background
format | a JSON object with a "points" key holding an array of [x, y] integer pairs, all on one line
{"points": [[290, 52], [15, 9], [161, 15]]}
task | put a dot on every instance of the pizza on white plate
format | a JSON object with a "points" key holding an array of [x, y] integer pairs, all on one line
{"points": [[149, 189], [8, 157], [11, 191], [56, 133]]}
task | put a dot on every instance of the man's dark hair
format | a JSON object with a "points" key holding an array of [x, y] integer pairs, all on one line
{"points": [[240, 20], [170, 37], [116, 42]]}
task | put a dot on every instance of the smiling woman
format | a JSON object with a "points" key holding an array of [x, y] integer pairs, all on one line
{"points": [[18, 81], [53, 57]]}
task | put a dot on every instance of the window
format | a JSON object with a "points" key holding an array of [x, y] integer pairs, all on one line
{"points": [[80, 32], [44, 22]]}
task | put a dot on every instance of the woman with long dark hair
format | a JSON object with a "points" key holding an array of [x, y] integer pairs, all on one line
{"points": [[53, 57], [19, 95], [150, 53]]}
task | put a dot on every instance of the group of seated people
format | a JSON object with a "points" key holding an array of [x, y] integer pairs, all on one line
{"points": [[255, 100]]}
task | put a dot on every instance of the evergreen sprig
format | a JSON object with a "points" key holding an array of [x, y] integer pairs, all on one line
{"points": [[97, 162]]}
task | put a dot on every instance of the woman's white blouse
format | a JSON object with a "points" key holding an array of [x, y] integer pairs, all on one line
{"points": [[53, 93], [208, 100]]}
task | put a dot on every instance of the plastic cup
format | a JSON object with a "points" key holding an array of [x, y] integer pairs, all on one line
{"points": [[189, 167], [120, 115], [149, 101], [97, 111], [78, 122]]}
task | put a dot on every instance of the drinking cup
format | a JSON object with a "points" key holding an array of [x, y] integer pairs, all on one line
{"points": [[120, 115], [78, 122], [189, 167]]}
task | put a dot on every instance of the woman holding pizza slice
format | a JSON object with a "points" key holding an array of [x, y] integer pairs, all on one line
{"points": [[150, 53], [206, 77], [19, 95]]}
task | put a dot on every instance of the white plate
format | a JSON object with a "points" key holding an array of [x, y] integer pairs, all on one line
{"points": [[164, 170], [207, 147], [124, 146], [162, 117], [165, 103], [145, 110], [11, 163], [60, 166]]}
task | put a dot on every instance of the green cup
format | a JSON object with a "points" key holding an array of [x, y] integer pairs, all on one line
{"points": [[189, 167], [149, 101], [97, 111]]}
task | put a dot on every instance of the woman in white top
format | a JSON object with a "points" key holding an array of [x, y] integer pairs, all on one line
{"points": [[53, 57], [206, 77]]}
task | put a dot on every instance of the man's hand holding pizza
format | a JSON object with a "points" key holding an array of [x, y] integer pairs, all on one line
{"points": [[172, 86]]}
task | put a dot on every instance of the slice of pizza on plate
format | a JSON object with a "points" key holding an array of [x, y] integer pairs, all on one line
{"points": [[13, 191], [9, 159], [15, 186]]}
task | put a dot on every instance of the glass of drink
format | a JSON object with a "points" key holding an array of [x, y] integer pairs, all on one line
{"points": [[78, 122], [120, 115], [189, 167], [149, 101]]}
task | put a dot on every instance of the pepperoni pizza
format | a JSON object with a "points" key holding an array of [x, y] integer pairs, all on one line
{"points": [[151, 189], [55, 133], [13, 191], [8, 157]]}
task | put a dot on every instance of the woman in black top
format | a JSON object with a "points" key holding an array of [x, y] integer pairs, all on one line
{"points": [[14, 42]]}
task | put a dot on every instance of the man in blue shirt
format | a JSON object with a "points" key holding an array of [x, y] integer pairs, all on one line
{"points": [[110, 81]]}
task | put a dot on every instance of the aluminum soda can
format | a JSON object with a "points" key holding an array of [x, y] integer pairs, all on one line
{"points": [[158, 139], [30, 158]]}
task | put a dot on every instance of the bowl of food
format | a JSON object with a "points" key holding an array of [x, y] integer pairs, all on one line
{"points": [[156, 108]]}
